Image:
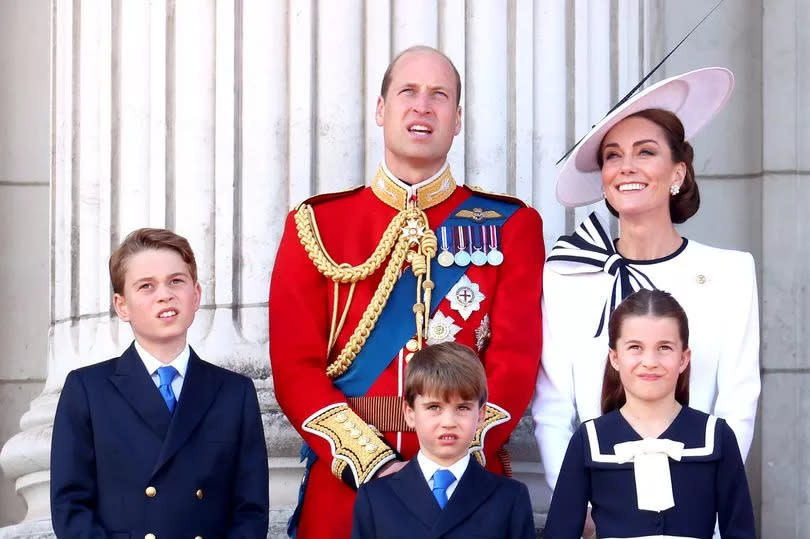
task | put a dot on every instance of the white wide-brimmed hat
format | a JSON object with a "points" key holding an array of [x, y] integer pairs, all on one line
{"points": [[695, 97]]}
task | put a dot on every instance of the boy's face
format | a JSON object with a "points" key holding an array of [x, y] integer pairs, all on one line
{"points": [[445, 429], [159, 299]]}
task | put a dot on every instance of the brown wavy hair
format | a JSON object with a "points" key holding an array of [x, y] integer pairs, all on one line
{"points": [[686, 203], [446, 370], [144, 239], [658, 304]]}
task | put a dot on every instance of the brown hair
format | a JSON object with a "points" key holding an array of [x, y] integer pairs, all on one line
{"points": [[386, 80], [446, 370], [686, 203], [655, 303], [144, 239]]}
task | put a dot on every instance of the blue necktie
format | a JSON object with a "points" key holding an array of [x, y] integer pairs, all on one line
{"points": [[441, 480], [166, 375]]}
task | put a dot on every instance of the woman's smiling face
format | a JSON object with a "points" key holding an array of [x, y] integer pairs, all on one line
{"points": [[637, 168]]}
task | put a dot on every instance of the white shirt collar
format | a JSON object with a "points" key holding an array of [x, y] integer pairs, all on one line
{"points": [[152, 363], [429, 467], [412, 189]]}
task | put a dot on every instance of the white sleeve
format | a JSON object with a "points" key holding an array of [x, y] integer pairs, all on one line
{"points": [[554, 407], [738, 382]]}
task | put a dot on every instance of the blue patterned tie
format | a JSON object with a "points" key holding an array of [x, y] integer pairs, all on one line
{"points": [[166, 375], [441, 480]]}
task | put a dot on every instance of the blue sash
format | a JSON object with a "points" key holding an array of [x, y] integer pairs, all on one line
{"points": [[395, 324]]}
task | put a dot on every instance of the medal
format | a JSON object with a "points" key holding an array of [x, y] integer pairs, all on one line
{"points": [[465, 297], [445, 258], [479, 258], [462, 257], [494, 257]]}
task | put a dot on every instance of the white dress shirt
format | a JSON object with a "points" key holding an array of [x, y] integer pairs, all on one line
{"points": [[429, 467], [152, 364]]}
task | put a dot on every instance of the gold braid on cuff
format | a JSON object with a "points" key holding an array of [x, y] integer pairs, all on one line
{"points": [[493, 415], [354, 443]]}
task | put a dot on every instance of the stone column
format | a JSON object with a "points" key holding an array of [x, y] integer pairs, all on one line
{"points": [[785, 276]]}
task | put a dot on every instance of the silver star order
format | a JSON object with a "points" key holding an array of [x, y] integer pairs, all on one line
{"points": [[441, 329], [465, 297], [413, 231]]}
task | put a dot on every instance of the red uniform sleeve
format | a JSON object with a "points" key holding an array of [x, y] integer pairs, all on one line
{"points": [[299, 331]]}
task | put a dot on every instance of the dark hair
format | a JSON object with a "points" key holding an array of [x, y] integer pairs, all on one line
{"points": [[655, 303], [144, 239], [686, 203], [386, 80], [446, 370]]}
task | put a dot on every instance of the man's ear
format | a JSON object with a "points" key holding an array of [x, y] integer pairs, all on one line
{"points": [[409, 414], [120, 304], [457, 130], [379, 116]]}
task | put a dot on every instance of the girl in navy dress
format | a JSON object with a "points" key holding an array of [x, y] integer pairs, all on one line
{"points": [[651, 466]]}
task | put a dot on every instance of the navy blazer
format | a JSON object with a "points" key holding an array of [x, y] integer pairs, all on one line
{"points": [[122, 466], [708, 483], [483, 505]]}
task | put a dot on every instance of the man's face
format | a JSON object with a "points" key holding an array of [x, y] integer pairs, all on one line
{"points": [[419, 115]]}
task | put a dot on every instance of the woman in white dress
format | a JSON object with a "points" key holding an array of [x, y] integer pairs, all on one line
{"points": [[639, 160]]}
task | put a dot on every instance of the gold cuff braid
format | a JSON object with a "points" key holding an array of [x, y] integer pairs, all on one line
{"points": [[493, 415], [354, 443]]}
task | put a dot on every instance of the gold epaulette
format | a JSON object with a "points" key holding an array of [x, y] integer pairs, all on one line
{"points": [[323, 197], [355, 445], [499, 196], [493, 415]]}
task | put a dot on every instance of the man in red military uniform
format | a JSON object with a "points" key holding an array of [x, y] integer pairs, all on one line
{"points": [[365, 277]]}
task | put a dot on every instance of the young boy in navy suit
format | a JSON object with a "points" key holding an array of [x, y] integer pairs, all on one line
{"points": [[443, 492], [157, 443]]}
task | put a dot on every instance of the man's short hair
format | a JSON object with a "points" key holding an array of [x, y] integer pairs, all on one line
{"points": [[144, 239], [386, 80], [446, 370]]}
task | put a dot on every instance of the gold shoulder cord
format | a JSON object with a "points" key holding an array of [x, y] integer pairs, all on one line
{"points": [[407, 237]]}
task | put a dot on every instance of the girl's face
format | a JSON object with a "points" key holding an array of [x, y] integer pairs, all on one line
{"points": [[649, 356]]}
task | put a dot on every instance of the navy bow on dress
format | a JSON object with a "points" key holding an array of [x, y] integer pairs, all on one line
{"points": [[588, 250]]}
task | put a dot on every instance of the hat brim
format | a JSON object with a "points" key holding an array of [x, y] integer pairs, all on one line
{"points": [[695, 97]]}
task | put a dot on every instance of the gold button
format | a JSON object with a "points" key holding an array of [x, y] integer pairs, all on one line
{"points": [[341, 417], [199, 494], [701, 279], [149, 536], [151, 491], [412, 345], [408, 357], [198, 537], [355, 433], [371, 448]]}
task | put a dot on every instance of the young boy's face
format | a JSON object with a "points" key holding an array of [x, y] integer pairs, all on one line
{"points": [[445, 429], [159, 299]]}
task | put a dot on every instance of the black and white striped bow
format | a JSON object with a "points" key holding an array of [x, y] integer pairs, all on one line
{"points": [[588, 250]]}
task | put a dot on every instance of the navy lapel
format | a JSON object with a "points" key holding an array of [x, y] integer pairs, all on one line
{"points": [[474, 487], [410, 486], [139, 390], [200, 388]]}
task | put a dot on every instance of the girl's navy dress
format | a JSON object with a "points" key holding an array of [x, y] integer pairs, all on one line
{"points": [[707, 483]]}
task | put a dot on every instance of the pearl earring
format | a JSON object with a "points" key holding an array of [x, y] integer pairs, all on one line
{"points": [[674, 189]]}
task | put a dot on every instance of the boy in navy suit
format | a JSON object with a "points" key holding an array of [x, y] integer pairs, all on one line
{"points": [[443, 492], [157, 443]]}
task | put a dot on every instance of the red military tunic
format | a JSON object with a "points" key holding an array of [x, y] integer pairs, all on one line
{"points": [[505, 329]]}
